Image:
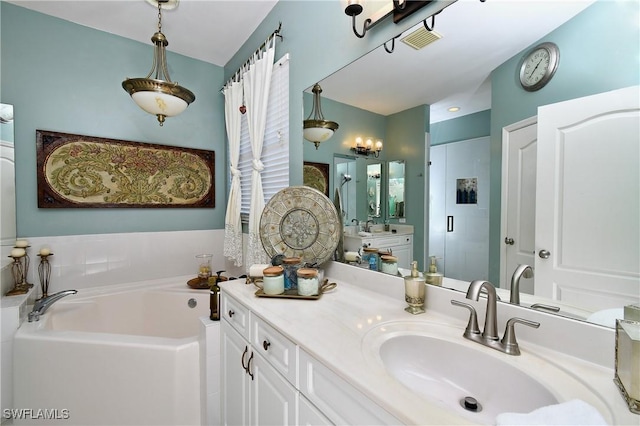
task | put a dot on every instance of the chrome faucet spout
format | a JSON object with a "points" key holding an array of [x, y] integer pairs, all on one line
{"points": [[44, 303], [521, 271], [490, 331], [367, 227]]}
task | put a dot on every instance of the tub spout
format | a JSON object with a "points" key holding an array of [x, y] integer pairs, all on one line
{"points": [[42, 304]]}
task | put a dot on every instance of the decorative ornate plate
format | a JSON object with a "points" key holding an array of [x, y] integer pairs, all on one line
{"points": [[300, 222]]}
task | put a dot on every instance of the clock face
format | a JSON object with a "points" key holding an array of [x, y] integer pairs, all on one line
{"points": [[539, 66]]}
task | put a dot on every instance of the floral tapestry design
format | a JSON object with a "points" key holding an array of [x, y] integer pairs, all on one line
{"points": [[85, 171]]}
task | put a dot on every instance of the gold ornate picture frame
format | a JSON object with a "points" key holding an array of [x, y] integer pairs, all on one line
{"points": [[77, 171], [316, 175]]}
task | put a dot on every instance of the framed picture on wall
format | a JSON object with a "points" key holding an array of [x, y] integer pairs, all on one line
{"points": [[78, 171], [316, 175]]}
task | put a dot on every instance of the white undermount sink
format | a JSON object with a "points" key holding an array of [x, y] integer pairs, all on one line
{"points": [[448, 373], [440, 367]]}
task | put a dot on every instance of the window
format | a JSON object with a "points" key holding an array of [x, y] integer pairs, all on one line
{"points": [[275, 148]]}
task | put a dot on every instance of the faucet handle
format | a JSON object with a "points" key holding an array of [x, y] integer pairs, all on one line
{"points": [[509, 341], [472, 325]]}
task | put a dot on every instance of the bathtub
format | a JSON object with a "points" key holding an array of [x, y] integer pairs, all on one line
{"points": [[116, 355]]}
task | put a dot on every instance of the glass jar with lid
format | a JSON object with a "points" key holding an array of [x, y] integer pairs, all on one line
{"points": [[370, 257], [307, 281], [273, 280], [389, 264], [291, 266]]}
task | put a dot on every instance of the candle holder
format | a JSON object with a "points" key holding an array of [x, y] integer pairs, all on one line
{"points": [[44, 273], [27, 263], [17, 270]]}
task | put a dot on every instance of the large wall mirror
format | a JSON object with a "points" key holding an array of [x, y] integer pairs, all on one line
{"points": [[7, 187], [385, 94]]}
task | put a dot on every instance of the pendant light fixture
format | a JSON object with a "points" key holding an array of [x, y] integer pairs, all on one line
{"points": [[158, 95], [318, 129]]}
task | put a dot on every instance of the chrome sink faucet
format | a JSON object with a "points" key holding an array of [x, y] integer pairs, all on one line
{"points": [[44, 303], [490, 331], [367, 227], [489, 336], [521, 271]]}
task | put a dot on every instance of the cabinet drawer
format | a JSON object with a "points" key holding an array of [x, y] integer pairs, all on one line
{"points": [[336, 398], [235, 314], [275, 348]]}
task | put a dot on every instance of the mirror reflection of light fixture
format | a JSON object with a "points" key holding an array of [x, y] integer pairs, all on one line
{"points": [[368, 147], [317, 129], [159, 95]]}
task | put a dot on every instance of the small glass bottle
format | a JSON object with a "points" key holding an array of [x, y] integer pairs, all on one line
{"points": [[291, 266], [273, 280], [389, 264], [370, 257], [307, 282]]}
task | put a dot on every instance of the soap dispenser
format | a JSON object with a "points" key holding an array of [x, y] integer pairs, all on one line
{"points": [[433, 277], [414, 291]]}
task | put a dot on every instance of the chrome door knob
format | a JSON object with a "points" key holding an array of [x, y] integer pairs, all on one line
{"points": [[509, 241], [544, 254]]}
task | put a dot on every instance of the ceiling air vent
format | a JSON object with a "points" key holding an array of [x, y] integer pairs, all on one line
{"points": [[421, 38]]}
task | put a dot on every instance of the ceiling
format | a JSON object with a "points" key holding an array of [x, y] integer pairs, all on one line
{"points": [[477, 37], [454, 70], [208, 30]]}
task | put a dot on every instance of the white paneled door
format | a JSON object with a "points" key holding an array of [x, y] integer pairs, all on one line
{"points": [[459, 208], [519, 142], [588, 200]]}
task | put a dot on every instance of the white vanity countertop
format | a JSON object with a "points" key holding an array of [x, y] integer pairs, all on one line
{"points": [[332, 329]]}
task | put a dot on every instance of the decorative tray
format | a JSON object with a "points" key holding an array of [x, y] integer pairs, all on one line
{"points": [[293, 293], [288, 294], [202, 284], [198, 284]]}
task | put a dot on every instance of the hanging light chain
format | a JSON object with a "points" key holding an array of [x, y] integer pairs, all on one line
{"points": [[159, 16]]}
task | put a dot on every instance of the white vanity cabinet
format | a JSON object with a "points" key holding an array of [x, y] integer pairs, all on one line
{"points": [[401, 245], [268, 379], [253, 391]]}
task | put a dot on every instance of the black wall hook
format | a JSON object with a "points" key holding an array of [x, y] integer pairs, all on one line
{"points": [[433, 22]]}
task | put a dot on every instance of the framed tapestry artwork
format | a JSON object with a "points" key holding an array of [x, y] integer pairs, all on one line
{"points": [[76, 171], [316, 175]]}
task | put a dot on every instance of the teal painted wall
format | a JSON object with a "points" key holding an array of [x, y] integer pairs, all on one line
{"points": [[66, 77], [405, 140], [469, 126], [353, 122], [599, 51], [319, 38]]}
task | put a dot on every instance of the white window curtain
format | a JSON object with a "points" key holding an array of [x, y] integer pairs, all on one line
{"points": [[274, 157], [257, 83], [233, 225], [275, 147]]}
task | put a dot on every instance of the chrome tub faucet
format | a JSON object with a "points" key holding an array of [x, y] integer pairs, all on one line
{"points": [[44, 303], [489, 336]]}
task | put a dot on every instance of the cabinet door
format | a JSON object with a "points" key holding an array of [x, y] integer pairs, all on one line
{"points": [[235, 353], [404, 254], [273, 399], [309, 415]]}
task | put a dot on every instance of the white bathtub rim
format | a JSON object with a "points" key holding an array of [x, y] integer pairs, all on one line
{"points": [[38, 330], [178, 283]]}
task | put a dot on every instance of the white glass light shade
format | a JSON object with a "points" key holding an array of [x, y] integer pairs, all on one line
{"points": [[317, 134], [157, 103]]}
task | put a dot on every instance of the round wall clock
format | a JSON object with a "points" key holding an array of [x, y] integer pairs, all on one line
{"points": [[539, 65]]}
